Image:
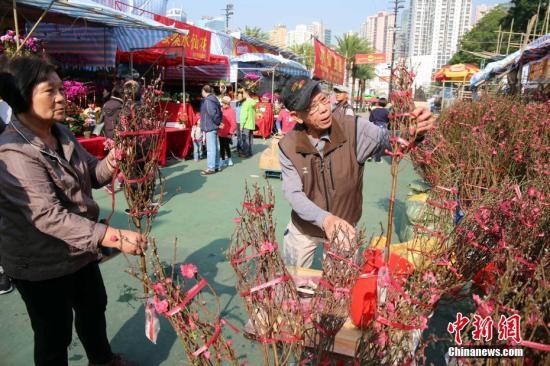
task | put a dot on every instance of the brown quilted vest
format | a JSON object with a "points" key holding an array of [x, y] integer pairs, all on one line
{"points": [[334, 182]]}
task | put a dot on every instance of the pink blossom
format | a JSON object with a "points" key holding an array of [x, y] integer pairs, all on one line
{"points": [[267, 246], [237, 219], [119, 154], [484, 308], [188, 270], [429, 277], [423, 322], [109, 144], [161, 306], [382, 339], [113, 238], [206, 355], [159, 289], [531, 192]]}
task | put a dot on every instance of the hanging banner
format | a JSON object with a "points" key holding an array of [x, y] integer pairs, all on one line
{"points": [[329, 65], [196, 43], [241, 47], [370, 58]]}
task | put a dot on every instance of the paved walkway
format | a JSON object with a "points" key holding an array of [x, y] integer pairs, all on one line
{"points": [[198, 212]]}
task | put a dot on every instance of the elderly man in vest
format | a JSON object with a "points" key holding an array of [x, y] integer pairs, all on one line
{"points": [[322, 166]]}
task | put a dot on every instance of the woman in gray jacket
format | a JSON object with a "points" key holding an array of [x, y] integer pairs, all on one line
{"points": [[50, 238]]}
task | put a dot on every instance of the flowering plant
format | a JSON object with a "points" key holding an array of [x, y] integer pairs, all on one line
{"points": [[8, 44], [74, 90]]}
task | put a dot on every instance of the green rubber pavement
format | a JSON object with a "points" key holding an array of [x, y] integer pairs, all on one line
{"points": [[198, 211]]}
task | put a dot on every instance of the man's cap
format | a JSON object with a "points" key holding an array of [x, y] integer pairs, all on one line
{"points": [[297, 93], [341, 89]]}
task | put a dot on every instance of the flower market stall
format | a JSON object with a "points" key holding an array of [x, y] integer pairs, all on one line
{"points": [[268, 69]]}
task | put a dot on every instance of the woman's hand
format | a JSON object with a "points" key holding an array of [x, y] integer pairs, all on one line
{"points": [[126, 241]]}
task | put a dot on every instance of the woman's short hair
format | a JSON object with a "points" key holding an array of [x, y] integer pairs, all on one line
{"points": [[18, 77], [207, 89]]}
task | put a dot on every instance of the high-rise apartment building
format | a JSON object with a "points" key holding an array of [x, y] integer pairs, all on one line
{"points": [[378, 30], [317, 29], [402, 34], [328, 36], [177, 14], [298, 36], [277, 36], [480, 12], [436, 27]]}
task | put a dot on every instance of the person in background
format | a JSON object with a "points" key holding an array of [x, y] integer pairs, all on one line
{"points": [[5, 117], [285, 122], [342, 107], [380, 116], [238, 104], [211, 118], [50, 237], [227, 129], [248, 122], [197, 137], [91, 117], [111, 112], [109, 119]]}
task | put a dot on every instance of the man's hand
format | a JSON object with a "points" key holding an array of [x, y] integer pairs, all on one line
{"points": [[333, 224], [126, 241], [425, 121]]}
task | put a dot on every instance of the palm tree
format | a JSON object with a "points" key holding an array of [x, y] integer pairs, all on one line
{"points": [[348, 46], [306, 53], [363, 73], [256, 32]]}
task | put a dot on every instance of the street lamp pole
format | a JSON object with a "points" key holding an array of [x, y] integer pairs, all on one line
{"points": [[228, 11], [397, 4]]}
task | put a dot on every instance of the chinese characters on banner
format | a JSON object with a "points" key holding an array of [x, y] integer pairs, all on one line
{"points": [[370, 58], [196, 43], [329, 65], [508, 328]]}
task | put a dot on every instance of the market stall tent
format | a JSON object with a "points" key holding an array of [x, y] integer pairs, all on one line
{"points": [[458, 72]]}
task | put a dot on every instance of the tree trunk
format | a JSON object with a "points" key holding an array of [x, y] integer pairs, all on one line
{"points": [[353, 85]]}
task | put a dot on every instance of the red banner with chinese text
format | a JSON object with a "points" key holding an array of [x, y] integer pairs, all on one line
{"points": [[329, 65], [370, 58], [196, 43]]}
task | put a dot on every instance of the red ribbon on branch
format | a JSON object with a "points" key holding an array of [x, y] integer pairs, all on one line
{"points": [[265, 285], [193, 291]]}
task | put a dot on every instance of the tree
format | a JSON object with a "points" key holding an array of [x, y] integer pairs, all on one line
{"points": [[521, 11], [363, 73], [256, 32], [348, 46], [306, 53], [483, 37]]}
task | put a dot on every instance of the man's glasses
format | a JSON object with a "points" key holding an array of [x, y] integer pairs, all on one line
{"points": [[323, 100]]}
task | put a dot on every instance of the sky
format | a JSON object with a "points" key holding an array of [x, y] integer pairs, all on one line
{"points": [[339, 15]]}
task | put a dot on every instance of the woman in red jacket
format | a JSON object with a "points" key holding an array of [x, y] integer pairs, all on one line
{"points": [[227, 129]]}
